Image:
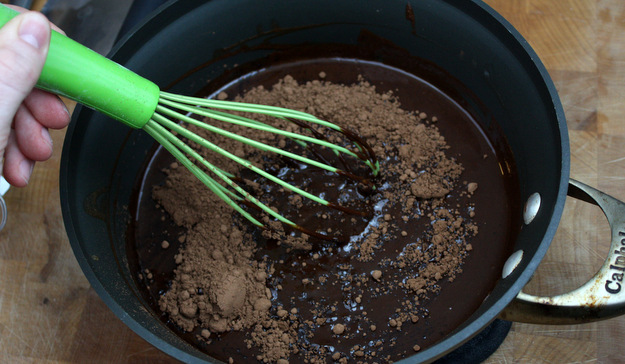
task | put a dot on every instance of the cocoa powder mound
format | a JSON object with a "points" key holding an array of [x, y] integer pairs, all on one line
{"points": [[228, 280]]}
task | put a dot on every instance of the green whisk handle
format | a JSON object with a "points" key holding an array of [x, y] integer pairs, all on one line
{"points": [[78, 73]]}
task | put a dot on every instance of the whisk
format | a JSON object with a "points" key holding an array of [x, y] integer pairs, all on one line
{"points": [[80, 74]]}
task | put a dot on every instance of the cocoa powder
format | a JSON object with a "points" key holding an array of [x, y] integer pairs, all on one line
{"points": [[228, 278]]}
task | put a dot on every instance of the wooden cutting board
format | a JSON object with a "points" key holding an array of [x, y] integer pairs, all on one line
{"points": [[49, 313]]}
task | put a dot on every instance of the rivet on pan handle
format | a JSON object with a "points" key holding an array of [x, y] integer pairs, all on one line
{"points": [[600, 298]]}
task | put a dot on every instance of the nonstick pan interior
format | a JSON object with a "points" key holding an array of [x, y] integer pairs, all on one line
{"points": [[185, 44]]}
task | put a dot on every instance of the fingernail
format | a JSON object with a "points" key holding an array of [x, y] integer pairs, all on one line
{"points": [[45, 134], [32, 30], [65, 108], [26, 169]]}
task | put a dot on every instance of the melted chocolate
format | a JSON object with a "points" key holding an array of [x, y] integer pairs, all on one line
{"points": [[486, 160]]}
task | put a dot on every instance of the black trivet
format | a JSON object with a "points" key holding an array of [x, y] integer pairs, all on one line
{"points": [[481, 346]]}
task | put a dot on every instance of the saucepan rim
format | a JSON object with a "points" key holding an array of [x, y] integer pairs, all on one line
{"points": [[123, 50]]}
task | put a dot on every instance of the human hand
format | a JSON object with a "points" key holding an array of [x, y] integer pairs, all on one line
{"points": [[26, 114]]}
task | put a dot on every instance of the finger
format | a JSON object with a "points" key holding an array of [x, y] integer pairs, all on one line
{"points": [[24, 43], [23, 48], [22, 10], [47, 109], [17, 168], [32, 138]]}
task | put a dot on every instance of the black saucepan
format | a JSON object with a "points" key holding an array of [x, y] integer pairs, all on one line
{"points": [[185, 43]]}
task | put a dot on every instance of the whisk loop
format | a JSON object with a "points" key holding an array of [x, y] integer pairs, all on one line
{"points": [[165, 128]]}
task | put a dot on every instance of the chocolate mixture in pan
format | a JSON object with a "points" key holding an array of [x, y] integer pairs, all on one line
{"points": [[242, 293]]}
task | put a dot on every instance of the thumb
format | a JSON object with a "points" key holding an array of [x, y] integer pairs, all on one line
{"points": [[24, 42]]}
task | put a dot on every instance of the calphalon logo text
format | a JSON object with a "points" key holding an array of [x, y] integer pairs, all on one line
{"points": [[613, 285]]}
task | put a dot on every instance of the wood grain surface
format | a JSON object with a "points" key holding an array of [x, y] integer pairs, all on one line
{"points": [[49, 313]]}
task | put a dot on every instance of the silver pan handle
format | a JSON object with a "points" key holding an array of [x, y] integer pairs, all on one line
{"points": [[600, 298]]}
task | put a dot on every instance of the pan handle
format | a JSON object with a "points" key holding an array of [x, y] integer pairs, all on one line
{"points": [[602, 297]]}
